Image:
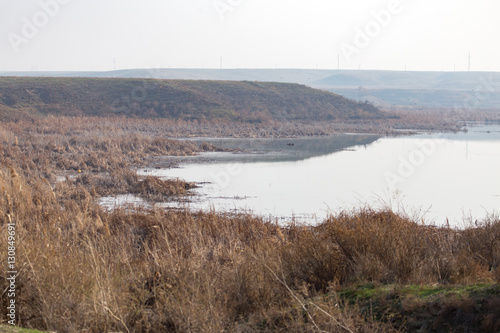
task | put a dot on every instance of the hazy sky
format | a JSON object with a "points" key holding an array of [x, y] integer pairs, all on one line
{"points": [[367, 34]]}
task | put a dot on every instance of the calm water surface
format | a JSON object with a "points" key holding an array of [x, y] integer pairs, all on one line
{"points": [[434, 177]]}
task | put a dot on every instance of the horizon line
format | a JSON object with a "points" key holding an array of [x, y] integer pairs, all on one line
{"points": [[245, 69]]}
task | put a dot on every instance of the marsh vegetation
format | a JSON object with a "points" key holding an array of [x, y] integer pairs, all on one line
{"points": [[82, 268]]}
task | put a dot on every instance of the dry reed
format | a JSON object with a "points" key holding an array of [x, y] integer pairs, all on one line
{"points": [[86, 269]]}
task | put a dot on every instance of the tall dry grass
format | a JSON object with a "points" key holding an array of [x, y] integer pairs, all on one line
{"points": [[85, 269], [384, 247]]}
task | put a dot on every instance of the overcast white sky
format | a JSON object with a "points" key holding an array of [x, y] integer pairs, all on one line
{"points": [[92, 34]]}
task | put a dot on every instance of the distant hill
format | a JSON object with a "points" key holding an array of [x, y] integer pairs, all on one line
{"points": [[370, 79], [385, 88], [177, 99], [301, 76], [409, 80], [430, 98]]}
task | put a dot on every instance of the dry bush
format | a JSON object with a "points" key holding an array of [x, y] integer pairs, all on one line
{"points": [[379, 246], [85, 269], [384, 247], [152, 187], [124, 181], [483, 240], [155, 271], [311, 259]]}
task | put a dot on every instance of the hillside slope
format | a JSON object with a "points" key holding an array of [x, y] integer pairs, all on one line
{"points": [[176, 99], [381, 87]]}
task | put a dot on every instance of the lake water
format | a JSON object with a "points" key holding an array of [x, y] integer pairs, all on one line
{"points": [[434, 177]]}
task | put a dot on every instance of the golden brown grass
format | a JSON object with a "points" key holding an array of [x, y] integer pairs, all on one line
{"points": [[439, 119], [85, 269]]}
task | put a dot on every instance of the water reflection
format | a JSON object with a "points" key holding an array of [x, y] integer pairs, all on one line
{"points": [[282, 150], [434, 177]]}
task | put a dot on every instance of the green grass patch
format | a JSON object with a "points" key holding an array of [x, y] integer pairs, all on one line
{"points": [[15, 329], [437, 308]]}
